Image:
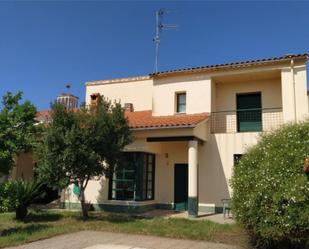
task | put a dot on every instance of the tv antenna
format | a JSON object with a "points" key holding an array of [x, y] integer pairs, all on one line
{"points": [[160, 26], [68, 87]]}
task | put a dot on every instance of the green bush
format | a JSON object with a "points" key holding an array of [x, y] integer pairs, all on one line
{"points": [[17, 195], [8, 199], [271, 189]]}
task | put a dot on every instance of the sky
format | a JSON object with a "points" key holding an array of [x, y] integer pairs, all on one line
{"points": [[45, 45]]}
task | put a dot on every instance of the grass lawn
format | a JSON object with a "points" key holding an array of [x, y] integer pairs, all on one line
{"points": [[40, 225]]}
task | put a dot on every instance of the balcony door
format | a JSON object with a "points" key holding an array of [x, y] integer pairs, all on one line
{"points": [[249, 112]]}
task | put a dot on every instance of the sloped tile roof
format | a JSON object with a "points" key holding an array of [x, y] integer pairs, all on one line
{"points": [[239, 64], [43, 116], [145, 120], [231, 65]]}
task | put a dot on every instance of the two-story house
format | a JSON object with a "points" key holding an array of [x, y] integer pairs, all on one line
{"points": [[190, 127]]}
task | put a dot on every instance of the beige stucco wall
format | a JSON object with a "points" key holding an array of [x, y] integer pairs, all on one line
{"points": [[139, 93], [216, 162], [215, 159], [301, 93], [225, 98], [196, 86], [294, 93], [225, 102], [167, 154], [204, 94]]}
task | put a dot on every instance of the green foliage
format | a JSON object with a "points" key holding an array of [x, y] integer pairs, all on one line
{"points": [[16, 129], [271, 189], [18, 194], [76, 143], [7, 197]]}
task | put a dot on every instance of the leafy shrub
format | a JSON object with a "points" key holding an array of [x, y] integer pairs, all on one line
{"points": [[7, 197], [271, 189], [17, 195], [26, 193]]}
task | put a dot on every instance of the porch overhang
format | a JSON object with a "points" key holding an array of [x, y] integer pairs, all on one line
{"points": [[199, 132], [143, 123], [170, 139], [151, 132]]}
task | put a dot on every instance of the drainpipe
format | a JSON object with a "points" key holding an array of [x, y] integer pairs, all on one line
{"points": [[294, 93]]}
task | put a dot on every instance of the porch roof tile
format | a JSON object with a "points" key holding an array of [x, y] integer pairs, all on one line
{"points": [[145, 120]]}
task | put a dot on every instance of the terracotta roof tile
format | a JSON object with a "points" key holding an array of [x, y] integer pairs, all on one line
{"points": [[145, 120], [239, 64], [43, 116]]}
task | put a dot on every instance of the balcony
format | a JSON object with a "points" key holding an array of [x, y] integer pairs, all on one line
{"points": [[246, 120]]}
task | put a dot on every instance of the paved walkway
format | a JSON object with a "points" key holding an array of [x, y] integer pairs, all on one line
{"points": [[105, 240], [218, 218]]}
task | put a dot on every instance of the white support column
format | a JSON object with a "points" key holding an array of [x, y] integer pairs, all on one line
{"points": [[288, 95], [193, 178]]}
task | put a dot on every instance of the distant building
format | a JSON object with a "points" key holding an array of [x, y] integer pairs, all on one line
{"points": [[68, 100], [25, 161]]}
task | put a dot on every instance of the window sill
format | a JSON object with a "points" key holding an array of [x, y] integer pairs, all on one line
{"points": [[180, 113]]}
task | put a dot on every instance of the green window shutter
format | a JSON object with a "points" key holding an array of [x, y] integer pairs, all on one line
{"points": [[249, 112]]}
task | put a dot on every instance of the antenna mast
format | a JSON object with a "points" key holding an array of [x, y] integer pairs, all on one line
{"points": [[159, 28], [68, 86]]}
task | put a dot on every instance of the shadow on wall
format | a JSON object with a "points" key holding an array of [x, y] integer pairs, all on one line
{"points": [[214, 176], [177, 79]]}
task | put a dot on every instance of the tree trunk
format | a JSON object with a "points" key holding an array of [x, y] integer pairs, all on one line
{"points": [[83, 203], [21, 212]]}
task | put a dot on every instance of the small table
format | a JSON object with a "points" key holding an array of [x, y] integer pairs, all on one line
{"points": [[226, 207]]}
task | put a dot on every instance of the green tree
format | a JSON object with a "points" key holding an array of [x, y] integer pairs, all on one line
{"points": [[271, 189], [79, 145], [17, 129]]}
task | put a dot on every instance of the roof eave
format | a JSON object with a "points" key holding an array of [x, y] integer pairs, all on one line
{"points": [[236, 65], [163, 127]]}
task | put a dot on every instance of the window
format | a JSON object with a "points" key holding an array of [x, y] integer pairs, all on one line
{"points": [[237, 158], [249, 112], [133, 179], [181, 102]]}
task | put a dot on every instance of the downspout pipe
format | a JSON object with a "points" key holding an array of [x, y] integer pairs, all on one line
{"points": [[294, 93]]}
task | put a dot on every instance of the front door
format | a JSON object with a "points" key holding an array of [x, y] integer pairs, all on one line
{"points": [[181, 187]]}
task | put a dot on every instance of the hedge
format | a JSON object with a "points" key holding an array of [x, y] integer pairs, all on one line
{"points": [[271, 189]]}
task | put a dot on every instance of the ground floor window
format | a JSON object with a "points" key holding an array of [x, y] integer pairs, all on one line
{"points": [[133, 179], [237, 158]]}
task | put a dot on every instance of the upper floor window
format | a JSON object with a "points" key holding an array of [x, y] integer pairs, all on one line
{"points": [[249, 112], [181, 102]]}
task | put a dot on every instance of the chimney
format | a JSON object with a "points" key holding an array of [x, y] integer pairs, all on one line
{"points": [[128, 107], [94, 98]]}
